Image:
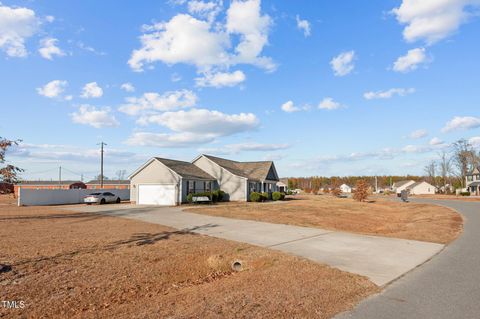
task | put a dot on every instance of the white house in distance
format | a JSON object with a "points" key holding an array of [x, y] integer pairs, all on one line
{"points": [[398, 187], [414, 188], [473, 182], [345, 188], [421, 188]]}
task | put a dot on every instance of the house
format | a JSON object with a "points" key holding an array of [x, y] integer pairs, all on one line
{"points": [[473, 182], [398, 187], [49, 185], [345, 188], [240, 179], [421, 188], [163, 181], [108, 184]]}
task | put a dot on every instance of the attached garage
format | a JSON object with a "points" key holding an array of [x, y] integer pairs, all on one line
{"points": [[154, 194], [167, 182]]}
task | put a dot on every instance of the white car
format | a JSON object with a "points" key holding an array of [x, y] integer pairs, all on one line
{"points": [[101, 198]]}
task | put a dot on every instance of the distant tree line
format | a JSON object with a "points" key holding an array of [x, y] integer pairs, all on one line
{"points": [[450, 168]]}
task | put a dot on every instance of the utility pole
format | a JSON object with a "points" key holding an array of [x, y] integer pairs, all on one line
{"points": [[60, 177], [376, 184], [101, 162]]}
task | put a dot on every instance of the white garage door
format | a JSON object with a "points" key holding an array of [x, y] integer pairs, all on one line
{"points": [[156, 195]]}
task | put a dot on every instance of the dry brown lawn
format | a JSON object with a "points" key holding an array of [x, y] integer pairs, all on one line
{"points": [[81, 265], [379, 217]]}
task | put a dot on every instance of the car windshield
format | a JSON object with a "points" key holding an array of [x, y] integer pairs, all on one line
{"points": [[93, 194]]}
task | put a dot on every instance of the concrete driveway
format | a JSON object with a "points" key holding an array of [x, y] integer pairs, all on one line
{"points": [[447, 287], [378, 258]]}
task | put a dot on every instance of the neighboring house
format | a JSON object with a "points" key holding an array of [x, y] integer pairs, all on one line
{"points": [[49, 185], [163, 181], [398, 187], [473, 182], [421, 188], [345, 188], [108, 184]]}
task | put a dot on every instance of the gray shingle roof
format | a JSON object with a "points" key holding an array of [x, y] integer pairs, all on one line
{"points": [[401, 183], [185, 169], [257, 171]]}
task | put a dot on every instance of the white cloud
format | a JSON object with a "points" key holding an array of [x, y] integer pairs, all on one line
{"points": [[289, 107], [303, 25], [91, 90], [418, 134], [221, 79], [193, 127], [435, 141], [176, 140], [388, 93], [49, 48], [245, 19], [475, 141], [176, 77], [204, 122], [153, 102], [410, 61], [205, 9], [98, 118], [207, 44], [16, 26], [230, 149], [127, 87], [343, 64], [329, 103], [462, 123], [433, 20], [53, 89]]}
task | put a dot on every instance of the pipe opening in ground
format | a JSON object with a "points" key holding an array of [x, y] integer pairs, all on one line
{"points": [[237, 265]]}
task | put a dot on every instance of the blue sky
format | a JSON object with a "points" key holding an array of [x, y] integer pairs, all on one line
{"points": [[322, 88]]}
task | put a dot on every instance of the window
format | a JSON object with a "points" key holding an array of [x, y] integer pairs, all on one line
{"points": [[207, 186], [191, 187], [253, 187], [269, 187], [470, 178]]}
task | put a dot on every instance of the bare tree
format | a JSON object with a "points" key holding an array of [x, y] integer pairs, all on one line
{"points": [[431, 170], [463, 156], [120, 174], [445, 165], [8, 173]]}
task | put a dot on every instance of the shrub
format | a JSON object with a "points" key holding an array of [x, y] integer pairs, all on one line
{"points": [[255, 197], [190, 197], [221, 195], [335, 191], [465, 193], [276, 196], [282, 196], [265, 196]]}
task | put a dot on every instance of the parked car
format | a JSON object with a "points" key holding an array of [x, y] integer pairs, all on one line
{"points": [[101, 198]]}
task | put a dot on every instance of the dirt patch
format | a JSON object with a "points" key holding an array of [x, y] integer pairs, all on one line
{"points": [[380, 217], [81, 265]]}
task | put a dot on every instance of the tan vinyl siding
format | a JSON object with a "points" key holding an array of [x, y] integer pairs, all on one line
{"points": [[233, 185]]}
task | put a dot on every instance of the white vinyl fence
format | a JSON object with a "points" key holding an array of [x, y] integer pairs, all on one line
{"points": [[62, 196]]}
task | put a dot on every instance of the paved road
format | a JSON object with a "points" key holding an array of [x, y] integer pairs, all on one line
{"points": [[380, 259], [447, 287]]}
